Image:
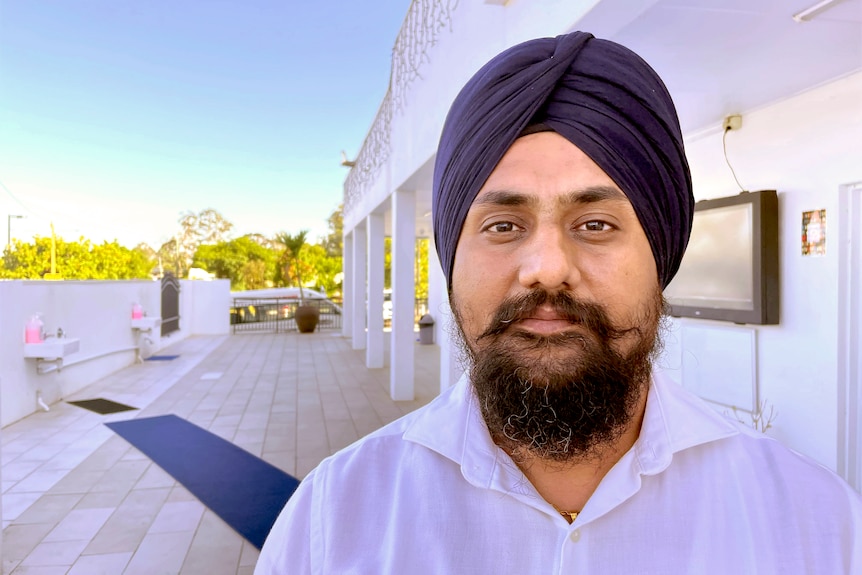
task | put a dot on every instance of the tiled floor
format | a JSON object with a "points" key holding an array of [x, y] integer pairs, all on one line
{"points": [[79, 500]]}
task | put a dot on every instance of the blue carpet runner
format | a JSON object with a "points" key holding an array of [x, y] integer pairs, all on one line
{"points": [[162, 357], [244, 490]]}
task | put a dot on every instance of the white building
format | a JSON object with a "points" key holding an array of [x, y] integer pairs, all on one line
{"points": [[797, 86]]}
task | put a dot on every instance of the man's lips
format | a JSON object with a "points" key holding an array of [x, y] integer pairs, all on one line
{"points": [[544, 326], [545, 321]]}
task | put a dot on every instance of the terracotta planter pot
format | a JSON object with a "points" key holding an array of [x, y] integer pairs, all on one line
{"points": [[307, 317]]}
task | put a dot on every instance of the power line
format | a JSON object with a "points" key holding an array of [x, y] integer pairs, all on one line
{"points": [[726, 159], [14, 197]]}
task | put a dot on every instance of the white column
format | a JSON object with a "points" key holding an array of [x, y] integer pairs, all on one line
{"points": [[347, 285], [450, 353], [374, 351], [438, 293], [360, 248], [403, 295]]}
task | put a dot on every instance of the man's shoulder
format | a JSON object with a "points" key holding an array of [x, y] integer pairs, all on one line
{"points": [[762, 465], [767, 451], [384, 441], [725, 446]]}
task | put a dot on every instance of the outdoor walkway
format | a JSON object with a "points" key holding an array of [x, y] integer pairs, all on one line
{"points": [[79, 500]]}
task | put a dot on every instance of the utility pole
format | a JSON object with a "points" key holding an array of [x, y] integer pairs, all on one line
{"points": [[53, 275], [9, 229]]}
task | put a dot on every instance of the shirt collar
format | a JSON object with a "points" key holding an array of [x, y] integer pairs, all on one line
{"points": [[452, 425], [675, 420]]}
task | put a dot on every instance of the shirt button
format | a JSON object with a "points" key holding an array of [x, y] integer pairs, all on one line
{"points": [[575, 535]]}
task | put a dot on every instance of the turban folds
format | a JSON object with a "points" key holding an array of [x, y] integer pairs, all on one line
{"points": [[597, 94]]}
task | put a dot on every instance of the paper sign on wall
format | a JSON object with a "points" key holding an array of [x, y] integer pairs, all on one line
{"points": [[814, 233]]}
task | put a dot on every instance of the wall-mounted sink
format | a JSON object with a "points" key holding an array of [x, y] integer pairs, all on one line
{"points": [[146, 323], [52, 348]]}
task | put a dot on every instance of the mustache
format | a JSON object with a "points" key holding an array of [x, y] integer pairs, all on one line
{"points": [[590, 315]]}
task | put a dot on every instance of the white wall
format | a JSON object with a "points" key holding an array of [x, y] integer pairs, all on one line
{"points": [[805, 148], [202, 304], [98, 313]]}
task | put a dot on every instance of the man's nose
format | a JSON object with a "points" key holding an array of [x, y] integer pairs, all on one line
{"points": [[548, 259]]}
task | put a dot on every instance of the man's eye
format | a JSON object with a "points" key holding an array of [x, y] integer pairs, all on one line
{"points": [[501, 227], [595, 226]]}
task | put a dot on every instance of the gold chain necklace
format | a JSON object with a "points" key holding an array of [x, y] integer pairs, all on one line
{"points": [[569, 515]]}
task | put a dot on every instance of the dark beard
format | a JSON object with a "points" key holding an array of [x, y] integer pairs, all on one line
{"points": [[565, 397]]}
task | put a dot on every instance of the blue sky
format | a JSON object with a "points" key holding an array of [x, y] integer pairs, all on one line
{"points": [[117, 116]]}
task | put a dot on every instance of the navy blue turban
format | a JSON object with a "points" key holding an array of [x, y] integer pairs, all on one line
{"points": [[600, 96]]}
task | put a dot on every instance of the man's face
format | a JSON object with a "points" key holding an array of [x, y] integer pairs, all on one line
{"points": [[556, 294]]}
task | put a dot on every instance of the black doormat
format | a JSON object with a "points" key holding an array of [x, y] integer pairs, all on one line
{"points": [[162, 357], [102, 406]]}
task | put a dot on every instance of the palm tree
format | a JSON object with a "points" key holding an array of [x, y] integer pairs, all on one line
{"points": [[293, 243]]}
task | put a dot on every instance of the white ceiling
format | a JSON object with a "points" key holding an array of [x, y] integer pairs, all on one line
{"points": [[722, 57]]}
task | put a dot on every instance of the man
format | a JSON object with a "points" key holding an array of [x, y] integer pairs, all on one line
{"points": [[562, 208]]}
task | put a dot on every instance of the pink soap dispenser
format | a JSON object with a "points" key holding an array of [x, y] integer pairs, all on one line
{"points": [[33, 330], [137, 311]]}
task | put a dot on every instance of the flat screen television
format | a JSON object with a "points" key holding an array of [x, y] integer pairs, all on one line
{"points": [[730, 269]]}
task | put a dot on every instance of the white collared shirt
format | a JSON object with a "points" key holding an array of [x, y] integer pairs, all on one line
{"points": [[431, 493]]}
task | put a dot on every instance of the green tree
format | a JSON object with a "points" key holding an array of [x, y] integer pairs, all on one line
{"points": [[206, 227], [333, 243], [168, 258], [247, 263], [324, 268], [420, 266], [150, 255], [292, 260], [387, 262], [74, 260], [144, 249], [113, 261], [264, 241], [254, 274]]}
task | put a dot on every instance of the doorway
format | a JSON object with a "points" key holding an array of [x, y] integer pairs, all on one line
{"points": [[850, 333]]}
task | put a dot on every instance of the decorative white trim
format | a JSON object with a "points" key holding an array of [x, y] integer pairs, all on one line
{"points": [[419, 33]]}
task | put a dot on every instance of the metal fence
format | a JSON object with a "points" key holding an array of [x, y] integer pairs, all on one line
{"points": [[170, 304], [277, 314], [254, 315]]}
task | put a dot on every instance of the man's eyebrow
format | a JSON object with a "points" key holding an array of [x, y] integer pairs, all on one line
{"points": [[505, 198], [592, 194], [588, 195]]}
